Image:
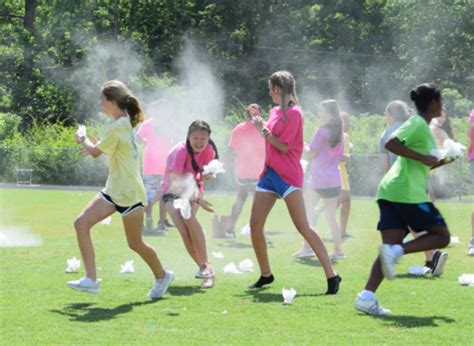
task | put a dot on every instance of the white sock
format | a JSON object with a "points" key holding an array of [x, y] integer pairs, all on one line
{"points": [[398, 250], [367, 295]]}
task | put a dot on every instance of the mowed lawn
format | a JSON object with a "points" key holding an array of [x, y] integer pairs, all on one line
{"points": [[37, 308]]}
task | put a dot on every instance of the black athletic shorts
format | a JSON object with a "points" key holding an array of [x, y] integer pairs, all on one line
{"points": [[122, 210], [419, 217], [168, 197]]}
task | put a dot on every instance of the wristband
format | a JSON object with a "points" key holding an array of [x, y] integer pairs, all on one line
{"points": [[82, 139], [265, 131]]}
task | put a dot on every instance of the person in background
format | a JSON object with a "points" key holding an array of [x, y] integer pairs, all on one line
{"points": [[345, 197], [152, 136], [470, 158], [249, 148]]}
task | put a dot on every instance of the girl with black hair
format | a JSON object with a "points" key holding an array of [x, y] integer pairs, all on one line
{"points": [[184, 178], [403, 198]]}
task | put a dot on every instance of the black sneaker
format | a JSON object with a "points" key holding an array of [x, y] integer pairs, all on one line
{"points": [[262, 281], [333, 284], [169, 224], [438, 262]]}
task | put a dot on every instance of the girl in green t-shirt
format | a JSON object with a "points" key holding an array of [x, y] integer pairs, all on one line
{"points": [[403, 198]]}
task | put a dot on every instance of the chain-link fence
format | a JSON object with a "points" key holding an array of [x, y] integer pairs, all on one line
{"points": [[70, 167]]}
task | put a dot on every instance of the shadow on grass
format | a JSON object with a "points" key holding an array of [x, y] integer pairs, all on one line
{"points": [[415, 321], [260, 296], [409, 276], [86, 312], [184, 290], [235, 245], [309, 261]]}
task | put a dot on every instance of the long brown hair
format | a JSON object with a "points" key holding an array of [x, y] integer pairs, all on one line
{"points": [[335, 124], [115, 90], [285, 81]]}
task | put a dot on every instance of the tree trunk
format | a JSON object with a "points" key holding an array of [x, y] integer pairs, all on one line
{"points": [[29, 25]]}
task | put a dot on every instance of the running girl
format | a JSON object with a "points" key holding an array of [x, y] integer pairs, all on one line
{"points": [[187, 158], [124, 191], [283, 177], [403, 199]]}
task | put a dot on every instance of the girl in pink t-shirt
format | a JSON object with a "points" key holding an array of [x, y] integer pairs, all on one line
{"points": [[183, 178], [283, 177], [326, 151]]}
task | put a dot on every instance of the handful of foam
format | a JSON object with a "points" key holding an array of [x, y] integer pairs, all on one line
{"points": [[450, 151], [214, 167]]}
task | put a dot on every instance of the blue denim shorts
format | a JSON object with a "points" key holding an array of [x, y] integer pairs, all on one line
{"points": [[272, 182]]}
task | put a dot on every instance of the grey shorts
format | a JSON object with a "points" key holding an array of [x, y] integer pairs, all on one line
{"points": [[152, 184]]}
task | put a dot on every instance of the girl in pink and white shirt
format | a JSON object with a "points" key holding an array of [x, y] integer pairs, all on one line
{"points": [[183, 178]]}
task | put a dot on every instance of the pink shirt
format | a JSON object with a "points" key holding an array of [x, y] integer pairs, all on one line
{"points": [[470, 154], [288, 129], [325, 171], [156, 149], [179, 161], [249, 145]]}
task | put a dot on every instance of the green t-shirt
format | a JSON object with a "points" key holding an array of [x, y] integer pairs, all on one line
{"points": [[124, 182], [407, 179]]}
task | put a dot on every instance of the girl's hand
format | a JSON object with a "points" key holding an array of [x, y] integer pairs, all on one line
{"points": [[258, 122], [207, 177], [205, 205], [429, 160]]}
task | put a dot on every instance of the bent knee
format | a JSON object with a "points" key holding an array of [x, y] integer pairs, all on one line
{"points": [[136, 245], [446, 238]]}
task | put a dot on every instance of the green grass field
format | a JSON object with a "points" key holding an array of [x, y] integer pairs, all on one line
{"points": [[37, 308]]}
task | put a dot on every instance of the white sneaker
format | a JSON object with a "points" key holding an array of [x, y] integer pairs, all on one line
{"points": [[84, 284], [304, 253], [205, 274], [337, 255], [371, 307], [388, 259], [159, 287], [208, 282]]}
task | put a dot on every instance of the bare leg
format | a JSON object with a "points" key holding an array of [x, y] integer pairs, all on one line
{"points": [[132, 224], [311, 200], [436, 238], [198, 239], [162, 212], [184, 232], [95, 211], [345, 201], [330, 213], [376, 276], [296, 207], [261, 207], [238, 206]]}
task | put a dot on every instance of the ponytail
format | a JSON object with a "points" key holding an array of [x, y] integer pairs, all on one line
{"points": [[134, 110], [117, 91]]}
